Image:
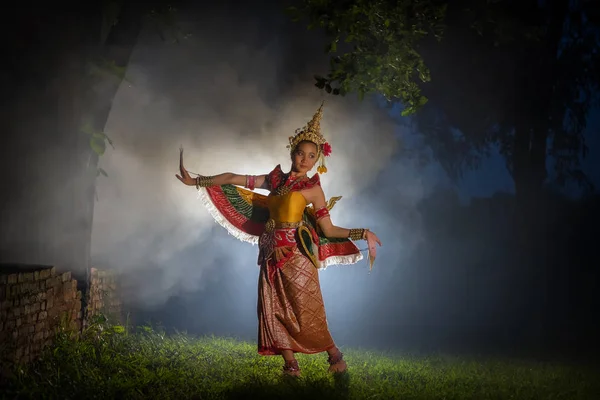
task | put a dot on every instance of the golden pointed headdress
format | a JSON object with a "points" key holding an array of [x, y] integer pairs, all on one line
{"points": [[312, 133]]}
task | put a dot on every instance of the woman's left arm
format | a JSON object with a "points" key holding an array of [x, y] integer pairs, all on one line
{"points": [[316, 196]]}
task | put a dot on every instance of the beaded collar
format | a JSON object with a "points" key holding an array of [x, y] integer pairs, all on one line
{"points": [[282, 183]]}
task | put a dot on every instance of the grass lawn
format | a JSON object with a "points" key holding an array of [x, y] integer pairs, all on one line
{"points": [[113, 363]]}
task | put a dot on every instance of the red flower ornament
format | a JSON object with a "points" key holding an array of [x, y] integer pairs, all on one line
{"points": [[326, 149]]}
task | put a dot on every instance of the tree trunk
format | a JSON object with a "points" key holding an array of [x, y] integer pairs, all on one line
{"points": [[43, 216], [532, 113], [532, 129], [118, 49], [50, 203]]}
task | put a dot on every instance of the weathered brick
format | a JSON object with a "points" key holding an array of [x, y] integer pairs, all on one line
{"points": [[12, 279], [49, 302], [52, 271], [66, 276], [23, 330], [17, 311], [42, 315], [44, 274], [27, 276], [50, 283], [67, 287], [43, 305], [31, 318], [10, 324], [3, 279], [35, 307], [38, 336], [31, 287], [18, 322], [42, 284], [54, 281], [36, 275], [15, 290], [6, 304]]}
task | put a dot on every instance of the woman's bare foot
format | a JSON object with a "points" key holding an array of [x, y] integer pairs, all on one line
{"points": [[337, 365]]}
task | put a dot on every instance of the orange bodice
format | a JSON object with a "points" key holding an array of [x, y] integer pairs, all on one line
{"points": [[287, 208]]}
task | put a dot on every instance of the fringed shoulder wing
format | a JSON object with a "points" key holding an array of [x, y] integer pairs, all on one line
{"points": [[330, 251], [242, 212]]}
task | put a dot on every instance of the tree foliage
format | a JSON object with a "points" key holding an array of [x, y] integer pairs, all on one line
{"points": [[526, 87], [517, 74], [374, 45]]}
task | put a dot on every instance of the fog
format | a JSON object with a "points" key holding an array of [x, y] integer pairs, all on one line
{"points": [[231, 101], [231, 93]]}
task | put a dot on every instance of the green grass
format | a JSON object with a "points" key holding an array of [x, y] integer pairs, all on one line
{"points": [[110, 362]]}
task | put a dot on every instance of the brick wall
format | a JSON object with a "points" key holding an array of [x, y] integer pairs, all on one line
{"points": [[33, 303], [36, 300], [105, 295]]}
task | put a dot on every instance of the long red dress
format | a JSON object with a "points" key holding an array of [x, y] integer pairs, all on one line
{"points": [[291, 312]]}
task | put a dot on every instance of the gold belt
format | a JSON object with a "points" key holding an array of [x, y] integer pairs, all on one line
{"points": [[271, 225]]}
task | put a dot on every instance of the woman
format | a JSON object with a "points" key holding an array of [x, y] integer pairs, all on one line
{"points": [[296, 237]]}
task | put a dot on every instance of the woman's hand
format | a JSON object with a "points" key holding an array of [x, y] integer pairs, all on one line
{"points": [[372, 240], [185, 176]]}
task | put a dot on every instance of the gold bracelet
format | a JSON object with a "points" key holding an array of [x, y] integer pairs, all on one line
{"points": [[204, 181], [357, 234]]}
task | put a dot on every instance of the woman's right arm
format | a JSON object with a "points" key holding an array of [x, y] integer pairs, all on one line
{"points": [[229, 178]]}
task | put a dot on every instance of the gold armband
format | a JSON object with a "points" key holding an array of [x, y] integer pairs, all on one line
{"points": [[204, 181], [357, 234]]}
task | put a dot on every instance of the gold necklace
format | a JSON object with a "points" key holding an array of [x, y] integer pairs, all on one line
{"points": [[285, 189]]}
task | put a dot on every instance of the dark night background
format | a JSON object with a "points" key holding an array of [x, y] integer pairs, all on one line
{"points": [[455, 274]]}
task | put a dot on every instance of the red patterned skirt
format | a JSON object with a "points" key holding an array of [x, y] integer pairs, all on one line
{"points": [[291, 312]]}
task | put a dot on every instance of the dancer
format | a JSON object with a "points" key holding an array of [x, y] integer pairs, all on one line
{"points": [[296, 238]]}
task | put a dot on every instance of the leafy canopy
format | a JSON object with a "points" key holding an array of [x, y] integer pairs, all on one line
{"points": [[374, 45]]}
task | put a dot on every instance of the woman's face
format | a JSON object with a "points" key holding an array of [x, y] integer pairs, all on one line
{"points": [[305, 157]]}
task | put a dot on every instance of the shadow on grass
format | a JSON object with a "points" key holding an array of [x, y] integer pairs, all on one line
{"points": [[335, 388]]}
